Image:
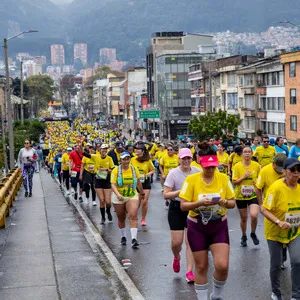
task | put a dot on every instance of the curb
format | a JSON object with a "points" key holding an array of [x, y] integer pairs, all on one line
{"points": [[124, 278]]}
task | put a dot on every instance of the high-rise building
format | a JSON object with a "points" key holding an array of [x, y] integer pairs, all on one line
{"points": [[80, 53], [30, 68], [107, 56], [57, 54], [41, 60]]}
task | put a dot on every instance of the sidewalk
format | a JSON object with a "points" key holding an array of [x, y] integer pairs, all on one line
{"points": [[44, 254]]}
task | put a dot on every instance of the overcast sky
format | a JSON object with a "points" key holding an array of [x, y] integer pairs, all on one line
{"points": [[61, 1]]}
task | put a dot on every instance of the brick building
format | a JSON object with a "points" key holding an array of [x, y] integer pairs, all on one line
{"points": [[291, 62]]}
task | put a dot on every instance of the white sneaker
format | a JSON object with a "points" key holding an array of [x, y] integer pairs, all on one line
{"points": [[94, 203], [67, 193], [274, 297]]}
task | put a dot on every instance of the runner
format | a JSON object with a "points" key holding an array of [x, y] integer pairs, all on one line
{"points": [[125, 179], [222, 158], [75, 159], [265, 152], [234, 158], [26, 162], [65, 169], [267, 176], [206, 196], [295, 150], [115, 153], [280, 146], [244, 177], [281, 208], [146, 169], [168, 162], [57, 160], [87, 176], [104, 165], [177, 217]]}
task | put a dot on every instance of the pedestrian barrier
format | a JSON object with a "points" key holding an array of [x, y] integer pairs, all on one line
{"points": [[9, 188]]}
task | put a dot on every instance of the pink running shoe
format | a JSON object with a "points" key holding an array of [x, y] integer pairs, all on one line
{"points": [[189, 276], [143, 222], [176, 264]]}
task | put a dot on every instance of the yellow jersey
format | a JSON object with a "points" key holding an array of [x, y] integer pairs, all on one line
{"points": [[126, 190], [195, 164], [223, 159], [65, 162], [234, 159], [169, 162], [88, 165], [284, 204], [143, 167], [267, 176], [194, 187], [264, 155], [245, 190]]}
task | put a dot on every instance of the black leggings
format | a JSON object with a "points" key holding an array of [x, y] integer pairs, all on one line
{"points": [[66, 178]]}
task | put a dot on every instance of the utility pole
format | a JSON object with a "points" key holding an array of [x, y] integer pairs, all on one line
{"points": [[9, 112], [2, 114], [22, 95]]}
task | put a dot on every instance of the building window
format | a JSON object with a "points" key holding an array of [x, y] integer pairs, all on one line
{"points": [[292, 69], [293, 123], [249, 101], [292, 96], [241, 80], [232, 101], [248, 79], [241, 102], [281, 103], [249, 123], [263, 103], [272, 128], [281, 129], [231, 79]]}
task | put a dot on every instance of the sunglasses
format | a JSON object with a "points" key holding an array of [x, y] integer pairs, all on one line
{"points": [[186, 158], [266, 141], [294, 169], [170, 149], [27, 143]]}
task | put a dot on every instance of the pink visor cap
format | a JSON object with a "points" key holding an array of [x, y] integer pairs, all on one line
{"points": [[209, 161], [185, 152]]}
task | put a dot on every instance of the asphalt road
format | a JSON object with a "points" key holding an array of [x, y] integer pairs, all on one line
{"points": [[151, 269]]}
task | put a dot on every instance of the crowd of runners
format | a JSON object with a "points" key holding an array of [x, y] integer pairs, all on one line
{"points": [[200, 181]]}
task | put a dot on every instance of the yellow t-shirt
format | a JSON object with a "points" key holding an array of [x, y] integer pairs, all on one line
{"points": [[195, 164], [153, 151], [168, 163], [264, 155], [159, 154], [267, 176], [65, 162], [234, 159], [245, 190], [88, 165], [223, 159], [143, 167], [194, 187], [127, 177], [281, 201]]}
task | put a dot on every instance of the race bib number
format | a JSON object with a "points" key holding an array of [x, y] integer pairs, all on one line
{"points": [[247, 190], [142, 178], [293, 219], [91, 168], [221, 168], [59, 159], [73, 174], [102, 175]]}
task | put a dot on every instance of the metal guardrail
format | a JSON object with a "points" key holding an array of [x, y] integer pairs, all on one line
{"points": [[9, 188]]}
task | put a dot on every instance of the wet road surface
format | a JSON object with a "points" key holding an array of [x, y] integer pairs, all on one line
{"points": [[151, 268]]}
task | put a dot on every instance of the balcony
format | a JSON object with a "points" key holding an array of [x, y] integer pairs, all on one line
{"points": [[249, 113], [261, 91], [248, 90]]}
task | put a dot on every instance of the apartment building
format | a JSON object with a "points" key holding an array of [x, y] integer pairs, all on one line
{"points": [[57, 54], [80, 53], [291, 67]]}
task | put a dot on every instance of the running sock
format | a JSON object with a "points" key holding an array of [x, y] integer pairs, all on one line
{"points": [[102, 211], [123, 231], [218, 287], [201, 291], [133, 232]]}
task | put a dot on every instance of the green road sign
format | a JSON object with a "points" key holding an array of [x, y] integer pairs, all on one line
{"points": [[149, 114]]}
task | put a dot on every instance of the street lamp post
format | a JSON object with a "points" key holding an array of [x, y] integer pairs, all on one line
{"points": [[22, 95], [8, 101]]}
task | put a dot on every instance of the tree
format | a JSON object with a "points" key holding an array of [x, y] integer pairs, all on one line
{"points": [[219, 124], [16, 86], [40, 90]]}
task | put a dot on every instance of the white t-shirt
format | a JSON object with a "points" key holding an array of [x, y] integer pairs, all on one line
{"points": [[176, 178], [25, 154]]}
